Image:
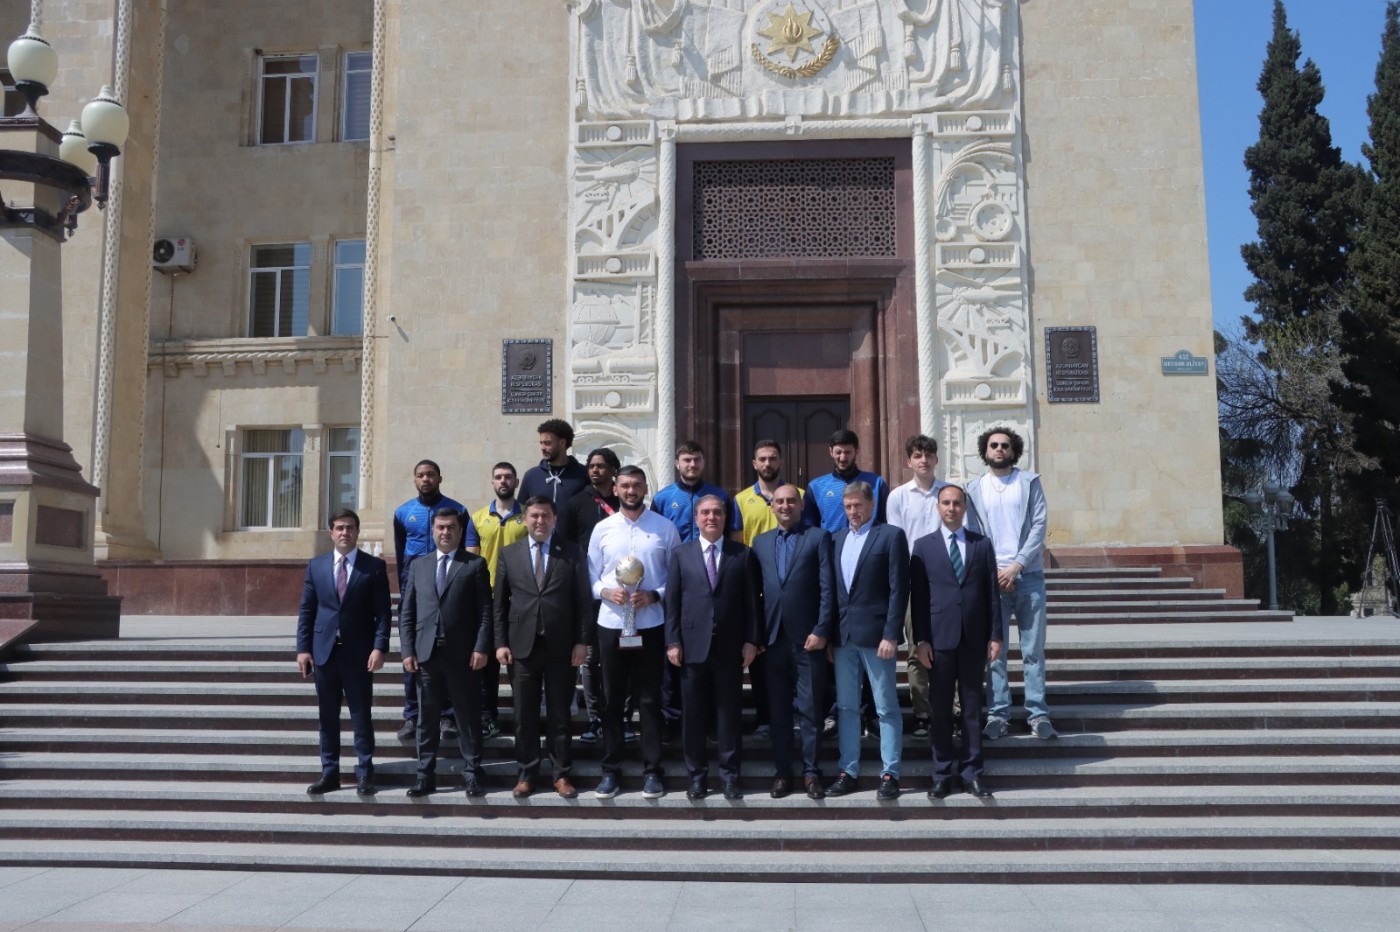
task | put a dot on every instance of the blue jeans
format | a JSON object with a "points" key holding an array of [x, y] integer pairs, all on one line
{"points": [[849, 662], [1027, 603]]}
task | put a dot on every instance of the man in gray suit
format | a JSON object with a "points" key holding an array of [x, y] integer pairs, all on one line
{"points": [[445, 637], [799, 609], [544, 620], [872, 592]]}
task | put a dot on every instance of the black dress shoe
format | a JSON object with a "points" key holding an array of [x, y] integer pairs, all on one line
{"points": [[731, 789], [942, 788], [977, 788], [328, 782], [422, 787], [698, 789], [814, 787], [889, 787], [365, 786], [844, 784], [409, 730], [781, 787], [473, 787]]}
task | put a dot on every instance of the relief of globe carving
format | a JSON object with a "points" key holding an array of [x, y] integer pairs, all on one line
{"points": [[990, 220], [595, 325]]}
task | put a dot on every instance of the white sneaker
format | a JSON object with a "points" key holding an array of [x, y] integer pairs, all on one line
{"points": [[996, 728], [1041, 728]]}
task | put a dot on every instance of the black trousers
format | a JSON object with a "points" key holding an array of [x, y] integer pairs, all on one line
{"points": [[797, 681], [440, 678], [959, 671], [531, 676], [344, 675], [635, 669], [712, 689]]}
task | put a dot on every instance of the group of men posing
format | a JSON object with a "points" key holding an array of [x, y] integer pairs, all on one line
{"points": [[806, 590]]}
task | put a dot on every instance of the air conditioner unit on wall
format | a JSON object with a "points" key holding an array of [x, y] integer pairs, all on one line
{"points": [[173, 254]]}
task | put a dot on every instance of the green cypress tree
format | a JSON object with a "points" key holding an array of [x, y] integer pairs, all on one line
{"points": [[1302, 194], [1371, 325]]}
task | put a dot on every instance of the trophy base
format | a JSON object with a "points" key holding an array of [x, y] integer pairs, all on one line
{"points": [[629, 641]]}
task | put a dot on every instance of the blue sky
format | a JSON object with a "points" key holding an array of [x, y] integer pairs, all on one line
{"points": [[1343, 37]]}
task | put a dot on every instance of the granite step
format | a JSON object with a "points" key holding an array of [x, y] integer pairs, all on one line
{"points": [[1155, 605], [1328, 799], [1302, 742], [1198, 615], [1182, 865]]}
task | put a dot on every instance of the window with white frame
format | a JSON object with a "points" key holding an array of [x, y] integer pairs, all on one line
{"points": [[354, 116], [342, 468], [279, 290], [270, 478], [348, 291], [287, 99]]}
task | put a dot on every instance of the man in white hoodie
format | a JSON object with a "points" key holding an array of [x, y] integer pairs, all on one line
{"points": [[1008, 505]]}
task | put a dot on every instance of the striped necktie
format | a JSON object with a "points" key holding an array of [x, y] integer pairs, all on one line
{"points": [[955, 556]]}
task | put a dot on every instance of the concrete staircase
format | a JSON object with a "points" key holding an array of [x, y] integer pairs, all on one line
{"points": [[1193, 751]]}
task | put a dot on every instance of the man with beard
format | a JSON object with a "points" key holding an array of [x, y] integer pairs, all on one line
{"points": [[558, 477], [823, 505], [585, 510], [632, 532], [1008, 505], [499, 525]]}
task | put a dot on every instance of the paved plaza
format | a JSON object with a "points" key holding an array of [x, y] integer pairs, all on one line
{"points": [[48, 900]]}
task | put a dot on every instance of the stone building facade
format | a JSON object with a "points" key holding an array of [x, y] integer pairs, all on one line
{"points": [[727, 217]]}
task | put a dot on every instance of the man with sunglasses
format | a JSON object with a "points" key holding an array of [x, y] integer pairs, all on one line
{"points": [[1008, 505]]}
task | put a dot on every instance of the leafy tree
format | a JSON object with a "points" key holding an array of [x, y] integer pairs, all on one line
{"points": [[1371, 326], [1302, 194]]}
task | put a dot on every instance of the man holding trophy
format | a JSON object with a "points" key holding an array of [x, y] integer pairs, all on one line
{"points": [[627, 559]]}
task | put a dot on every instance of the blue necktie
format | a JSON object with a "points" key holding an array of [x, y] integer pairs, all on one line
{"points": [[784, 545], [955, 556]]}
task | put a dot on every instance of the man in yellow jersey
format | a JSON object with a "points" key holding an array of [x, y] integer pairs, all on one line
{"points": [[499, 525]]}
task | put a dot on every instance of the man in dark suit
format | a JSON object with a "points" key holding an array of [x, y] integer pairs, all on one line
{"points": [[543, 611], [872, 592], [799, 610], [445, 637], [956, 609], [712, 634], [342, 636]]}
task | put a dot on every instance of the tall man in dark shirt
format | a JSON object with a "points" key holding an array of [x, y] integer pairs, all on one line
{"points": [[596, 502], [558, 477]]}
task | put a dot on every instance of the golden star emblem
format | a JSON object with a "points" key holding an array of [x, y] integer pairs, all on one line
{"points": [[790, 32]]}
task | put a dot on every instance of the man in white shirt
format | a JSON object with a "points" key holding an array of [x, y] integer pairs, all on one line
{"points": [[1008, 505], [632, 532], [913, 508]]}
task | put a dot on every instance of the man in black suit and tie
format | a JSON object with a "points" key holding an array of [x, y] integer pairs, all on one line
{"points": [[342, 636], [712, 634], [543, 613], [799, 610], [956, 610], [872, 592], [445, 637]]}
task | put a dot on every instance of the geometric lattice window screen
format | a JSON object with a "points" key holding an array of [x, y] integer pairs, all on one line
{"points": [[794, 207]]}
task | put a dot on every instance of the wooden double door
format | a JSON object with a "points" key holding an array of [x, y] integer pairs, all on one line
{"points": [[802, 425]]}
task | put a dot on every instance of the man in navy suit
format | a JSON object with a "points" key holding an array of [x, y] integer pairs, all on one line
{"points": [[872, 592], [445, 637], [712, 636], [342, 637], [799, 611], [956, 609]]}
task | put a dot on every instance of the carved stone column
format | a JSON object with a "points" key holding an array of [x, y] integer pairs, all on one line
{"points": [[47, 573]]}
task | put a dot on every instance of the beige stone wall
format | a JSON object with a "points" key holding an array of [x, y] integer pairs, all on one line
{"points": [[1118, 241], [229, 194], [478, 233]]}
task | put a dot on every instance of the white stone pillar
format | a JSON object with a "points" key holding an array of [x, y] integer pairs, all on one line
{"points": [[925, 310], [664, 335]]}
